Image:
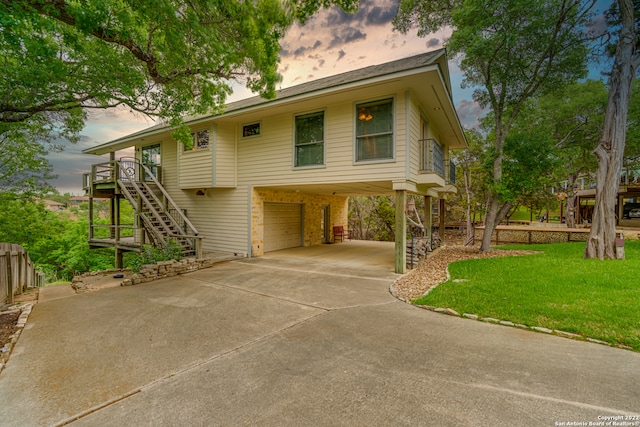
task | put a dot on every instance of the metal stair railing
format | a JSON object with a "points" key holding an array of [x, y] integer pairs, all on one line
{"points": [[184, 228], [173, 211], [127, 178]]}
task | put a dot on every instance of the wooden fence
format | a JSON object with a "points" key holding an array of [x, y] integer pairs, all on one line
{"points": [[17, 272]]}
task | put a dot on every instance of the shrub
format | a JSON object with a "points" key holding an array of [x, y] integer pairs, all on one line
{"points": [[151, 255]]}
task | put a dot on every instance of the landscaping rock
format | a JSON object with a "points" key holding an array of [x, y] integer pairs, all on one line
{"points": [[432, 270], [540, 329]]}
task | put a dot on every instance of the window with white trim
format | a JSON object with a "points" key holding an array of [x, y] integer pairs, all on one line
{"points": [[252, 129], [309, 139], [200, 140], [374, 130]]}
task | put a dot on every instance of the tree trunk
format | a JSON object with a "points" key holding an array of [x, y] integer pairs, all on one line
{"points": [[495, 214], [469, 240], [610, 150], [571, 201]]}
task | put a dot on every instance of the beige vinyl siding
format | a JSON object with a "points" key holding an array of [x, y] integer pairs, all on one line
{"points": [[268, 159], [225, 157], [220, 216], [414, 140], [169, 164], [196, 167]]}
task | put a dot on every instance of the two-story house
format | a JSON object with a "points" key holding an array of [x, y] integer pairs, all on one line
{"points": [[271, 174]]}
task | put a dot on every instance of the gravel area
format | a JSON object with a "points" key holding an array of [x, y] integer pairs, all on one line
{"points": [[432, 270]]}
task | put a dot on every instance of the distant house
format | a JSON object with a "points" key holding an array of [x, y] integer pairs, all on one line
{"points": [[78, 200], [273, 174], [53, 206]]}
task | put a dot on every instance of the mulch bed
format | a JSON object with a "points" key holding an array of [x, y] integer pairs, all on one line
{"points": [[7, 326], [432, 270]]}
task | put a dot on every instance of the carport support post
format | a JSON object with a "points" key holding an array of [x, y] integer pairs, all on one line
{"points": [[401, 232], [441, 209]]}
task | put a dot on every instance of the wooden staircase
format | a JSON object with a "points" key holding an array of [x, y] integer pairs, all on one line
{"points": [[161, 218]]}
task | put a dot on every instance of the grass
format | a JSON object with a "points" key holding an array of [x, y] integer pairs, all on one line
{"points": [[556, 289]]}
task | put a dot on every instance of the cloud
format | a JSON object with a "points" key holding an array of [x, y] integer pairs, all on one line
{"points": [[433, 42], [341, 54], [598, 26], [470, 113], [370, 13], [301, 50], [381, 16], [318, 58], [346, 35]]}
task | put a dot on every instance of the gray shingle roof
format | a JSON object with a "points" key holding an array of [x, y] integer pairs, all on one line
{"points": [[341, 79], [348, 77]]}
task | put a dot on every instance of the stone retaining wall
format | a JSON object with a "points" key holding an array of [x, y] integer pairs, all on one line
{"points": [[164, 269], [514, 234]]}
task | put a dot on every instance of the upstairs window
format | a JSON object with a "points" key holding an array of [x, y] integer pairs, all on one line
{"points": [[252, 129], [200, 140], [309, 140], [374, 131]]}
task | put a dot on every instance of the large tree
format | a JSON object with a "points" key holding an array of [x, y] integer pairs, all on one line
{"points": [[611, 148], [165, 58], [574, 117], [511, 51], [162, 58]]}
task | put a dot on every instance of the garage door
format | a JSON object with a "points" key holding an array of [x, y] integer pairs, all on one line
{"points": [[282, 226]]}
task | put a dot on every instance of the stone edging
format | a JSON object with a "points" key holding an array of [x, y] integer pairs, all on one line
{"points": [[5, 351], [452, 312], [78, 284], [162, 269]]}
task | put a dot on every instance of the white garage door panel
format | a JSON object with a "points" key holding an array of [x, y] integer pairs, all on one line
{"points": [[282, 226]]}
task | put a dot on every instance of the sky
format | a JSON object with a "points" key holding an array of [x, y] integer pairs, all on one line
{"points": [[330, 43]]}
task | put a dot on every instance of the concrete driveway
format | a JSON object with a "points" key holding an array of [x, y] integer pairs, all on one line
{"points": [[297, 340]]}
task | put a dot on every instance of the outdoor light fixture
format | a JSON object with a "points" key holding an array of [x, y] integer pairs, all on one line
{"points": [[200, 193], [364, 115]]}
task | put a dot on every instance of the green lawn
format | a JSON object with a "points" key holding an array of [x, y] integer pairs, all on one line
{"points": [[556, 289]]}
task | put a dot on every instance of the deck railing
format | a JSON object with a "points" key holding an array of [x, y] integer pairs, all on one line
{"points": [[432, 160], [139, 182]]}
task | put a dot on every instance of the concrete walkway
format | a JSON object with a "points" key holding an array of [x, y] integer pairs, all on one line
{"points": [[288, 340]]}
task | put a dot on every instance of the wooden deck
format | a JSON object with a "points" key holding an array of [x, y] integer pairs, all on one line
{"points": [[124, 243]]}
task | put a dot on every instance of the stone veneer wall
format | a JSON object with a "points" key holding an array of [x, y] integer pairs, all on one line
{"points": [[313, 203], [541, 235]]}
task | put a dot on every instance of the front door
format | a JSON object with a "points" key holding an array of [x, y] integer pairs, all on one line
{"points": [[325, 221], [151, 158]]}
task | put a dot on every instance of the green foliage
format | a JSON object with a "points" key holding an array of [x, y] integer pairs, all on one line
{"points": [[511, 51], [56, 244], [163, 58], [151, 255], [583, 296], [23, 166], [67, 254], [632, 146], [373, 218], [23, 221]]}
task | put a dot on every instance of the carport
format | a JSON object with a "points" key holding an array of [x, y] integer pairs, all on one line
{"points": [[372, 258], [295, 217]]}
